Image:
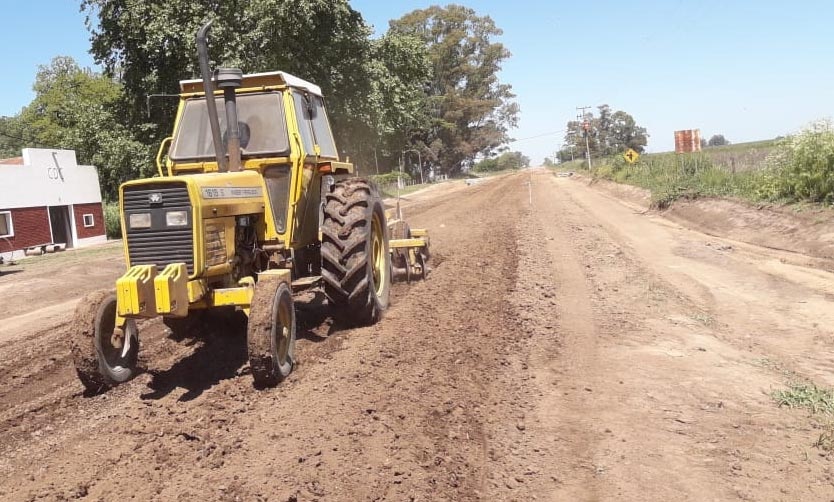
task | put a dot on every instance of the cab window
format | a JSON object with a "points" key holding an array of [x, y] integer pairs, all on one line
{"points": [[321, 129], [302, 114], [313, 124], [263, 130]]}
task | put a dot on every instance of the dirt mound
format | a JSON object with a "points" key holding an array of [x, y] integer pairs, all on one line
{"points": [[808, 230], [804, 229]]}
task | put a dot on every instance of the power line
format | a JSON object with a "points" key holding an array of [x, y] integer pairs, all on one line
{"points": [[536, 136], [32, 141]]}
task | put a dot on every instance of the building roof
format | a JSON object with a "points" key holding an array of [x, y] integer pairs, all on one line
{"points": [[47, 177], [14, 161]]}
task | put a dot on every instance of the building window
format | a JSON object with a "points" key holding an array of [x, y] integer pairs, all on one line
{"points": [[89, 221], [6, 227]]}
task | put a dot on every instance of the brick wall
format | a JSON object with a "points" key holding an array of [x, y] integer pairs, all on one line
{"points": [[31, 227], [79, 210]]}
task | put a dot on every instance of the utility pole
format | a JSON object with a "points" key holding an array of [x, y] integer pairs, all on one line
{"points": [[570, 138], [586, 126]]}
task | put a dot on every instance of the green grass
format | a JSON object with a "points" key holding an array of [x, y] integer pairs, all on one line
{"points": [[112, 220], [744, 147], [109, 249], [573, 165], [669, 177], [819, 400], [741, 156], [825, 441], [796, 169], [391, 190]]}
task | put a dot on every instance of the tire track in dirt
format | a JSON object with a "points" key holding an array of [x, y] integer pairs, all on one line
{"points": [[562, 322]]}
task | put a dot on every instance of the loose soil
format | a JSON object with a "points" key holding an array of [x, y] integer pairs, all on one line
{"points": [[566, 346]]}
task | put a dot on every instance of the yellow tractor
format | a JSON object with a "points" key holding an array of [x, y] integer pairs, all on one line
{"points": [[249, 206]]}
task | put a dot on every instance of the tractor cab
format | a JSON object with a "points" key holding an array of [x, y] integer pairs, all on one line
{"points": [[280, 117]]}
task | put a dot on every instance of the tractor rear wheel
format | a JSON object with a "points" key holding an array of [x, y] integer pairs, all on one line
{"points": [[355, 261], [270, 334], [102, 359]]}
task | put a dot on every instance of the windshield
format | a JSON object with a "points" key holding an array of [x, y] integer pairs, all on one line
{"points": [[262, 127]]}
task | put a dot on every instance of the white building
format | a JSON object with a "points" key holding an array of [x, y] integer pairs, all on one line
{"points": [[46, 198]]}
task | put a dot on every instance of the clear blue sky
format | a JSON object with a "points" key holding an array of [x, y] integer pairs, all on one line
{"points": [[747, 69]]}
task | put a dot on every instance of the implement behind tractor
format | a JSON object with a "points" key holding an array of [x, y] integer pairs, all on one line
{"points": [[249, 205]]}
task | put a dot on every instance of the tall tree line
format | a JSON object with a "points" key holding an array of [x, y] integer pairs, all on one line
{"points": [[429, 83]]}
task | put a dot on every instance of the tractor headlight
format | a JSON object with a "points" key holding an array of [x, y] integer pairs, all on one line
{"points": [[139, 220], [176, 218]]}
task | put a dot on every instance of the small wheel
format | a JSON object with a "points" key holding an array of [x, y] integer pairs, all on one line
{"points": [[421, 261], [102, 359], [270, 333], [407, 269]]}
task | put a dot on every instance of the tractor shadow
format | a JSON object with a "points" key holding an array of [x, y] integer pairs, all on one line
{"points": [[219, 355]]}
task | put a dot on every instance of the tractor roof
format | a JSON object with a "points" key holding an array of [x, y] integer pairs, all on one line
{"points": [[258, 80]]}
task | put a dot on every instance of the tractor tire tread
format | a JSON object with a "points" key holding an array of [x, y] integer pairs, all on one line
{"points": [[345, 235], [82, 342]]}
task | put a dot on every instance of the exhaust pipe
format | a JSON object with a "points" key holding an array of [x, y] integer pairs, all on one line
{"points": [[214, 121], [230, 79]]}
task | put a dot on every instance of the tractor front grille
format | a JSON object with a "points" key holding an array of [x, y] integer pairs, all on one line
{"points": [[160, 244]]}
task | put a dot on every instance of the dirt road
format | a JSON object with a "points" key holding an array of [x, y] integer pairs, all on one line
{"points": [[569, 349]]}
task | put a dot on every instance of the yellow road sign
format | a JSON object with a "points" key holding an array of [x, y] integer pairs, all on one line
{"points": [[631, 156]]}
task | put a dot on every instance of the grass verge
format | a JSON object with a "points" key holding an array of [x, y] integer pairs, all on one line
{"points": [[111, 248], [819, 401], [796, 169], [389, 191]]}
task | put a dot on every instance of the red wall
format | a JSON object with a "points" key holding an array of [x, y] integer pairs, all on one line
{"points": [[79, 210], [31, 227]]}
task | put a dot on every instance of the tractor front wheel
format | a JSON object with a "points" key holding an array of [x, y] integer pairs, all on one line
{"points": [[270, 333], [103, 356]]}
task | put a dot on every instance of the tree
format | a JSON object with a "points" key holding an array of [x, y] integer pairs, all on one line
{"points": [[77, 109], [503, 162], [371, 86], [398, 69], [717, 140], [548, 162], [13, 137], [610, 133], [471, 110]]}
